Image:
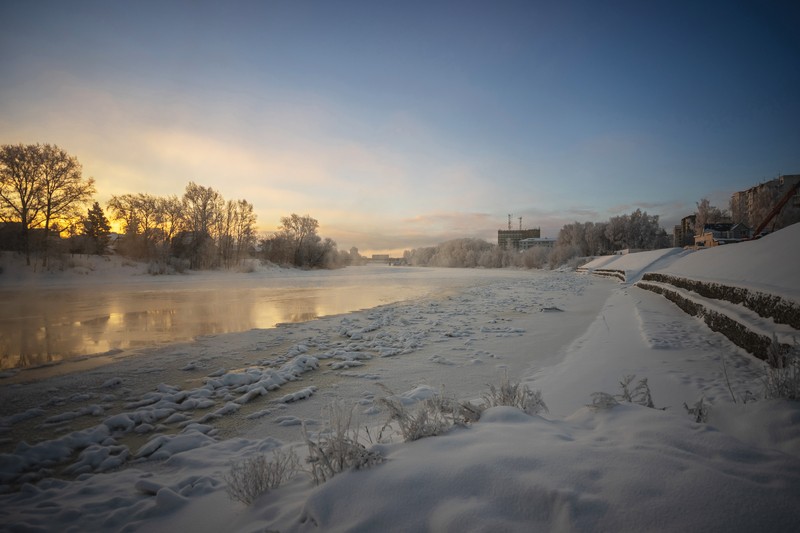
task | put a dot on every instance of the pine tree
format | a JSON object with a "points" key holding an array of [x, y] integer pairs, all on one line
{"points": [[97, 229]]}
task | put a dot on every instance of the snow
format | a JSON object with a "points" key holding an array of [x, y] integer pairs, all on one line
{"points": [[768, 264], [634, 264], [145, 443]]}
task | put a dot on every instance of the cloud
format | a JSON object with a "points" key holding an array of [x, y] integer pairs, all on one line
{"points": [[630, 207], [380, 182], [451, 221]]}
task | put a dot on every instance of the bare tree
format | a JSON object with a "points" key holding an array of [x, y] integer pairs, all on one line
{"points": [[141, 217], [709, 214], [124, 209], [170, 217], [40, 184], [64, 190], [243, 228], [20, 188], [202, 210], [299, 231]]}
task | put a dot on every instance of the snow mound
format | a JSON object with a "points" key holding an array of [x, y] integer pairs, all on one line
{"points": [[626, 469]]}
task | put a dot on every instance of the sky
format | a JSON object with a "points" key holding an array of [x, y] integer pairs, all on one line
{"points": [[404, 124]]}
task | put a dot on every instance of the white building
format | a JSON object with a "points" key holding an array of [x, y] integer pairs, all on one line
{"points": [[536, 242]]}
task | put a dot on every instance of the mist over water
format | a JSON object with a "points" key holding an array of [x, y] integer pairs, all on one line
{"points": [[40, 326]]}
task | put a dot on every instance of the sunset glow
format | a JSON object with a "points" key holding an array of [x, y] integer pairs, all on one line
{"points": [[404, 125]]}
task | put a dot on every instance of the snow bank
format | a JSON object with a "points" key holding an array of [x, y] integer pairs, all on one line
{"points": [[768, 264], [625, 468], [629, 267]]}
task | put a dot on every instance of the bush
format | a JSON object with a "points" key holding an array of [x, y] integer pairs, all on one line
{"points": [[515, 395], [603, 400], [640, 394], [432, 417], [250, 478], [338, 447], [782, 379], [699, 411]]}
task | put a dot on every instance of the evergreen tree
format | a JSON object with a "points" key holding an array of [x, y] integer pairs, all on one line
{"points": [[97, 229]]}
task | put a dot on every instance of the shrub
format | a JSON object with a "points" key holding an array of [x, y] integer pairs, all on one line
{"points": [[640, 394], [338, 447], [515, 395], [603, 400], [157, 268], [432, 416], [699, 411], [250, 478], [782, 379]]}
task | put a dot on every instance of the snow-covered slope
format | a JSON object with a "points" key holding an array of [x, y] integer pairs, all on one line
{"points": [[629, 267], [769, 264]]}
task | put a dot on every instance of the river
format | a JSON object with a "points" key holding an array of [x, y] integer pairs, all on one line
{"points": [[43, 324]]}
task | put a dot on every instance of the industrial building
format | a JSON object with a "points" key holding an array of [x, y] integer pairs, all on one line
{"points": [[509, 239]]}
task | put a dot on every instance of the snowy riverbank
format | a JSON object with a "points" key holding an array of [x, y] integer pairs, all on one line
{"points": [[178, 418]]}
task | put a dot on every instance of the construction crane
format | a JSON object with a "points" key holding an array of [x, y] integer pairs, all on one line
{"points": [[775, 210]]}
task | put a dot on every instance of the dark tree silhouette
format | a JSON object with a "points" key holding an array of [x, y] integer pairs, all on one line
{"points": [[97, 229], [40, 185]]}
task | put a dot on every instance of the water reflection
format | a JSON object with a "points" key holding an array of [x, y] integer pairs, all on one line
{"points": [[44, 327]]}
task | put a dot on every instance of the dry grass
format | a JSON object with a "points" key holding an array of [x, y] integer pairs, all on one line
{"points": [[338, 447], [250, 478], [515, 395], [432, 416]]}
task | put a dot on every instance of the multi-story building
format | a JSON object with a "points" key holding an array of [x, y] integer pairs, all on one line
{"points": [[751, 207], [683, 234], [509, 239]]}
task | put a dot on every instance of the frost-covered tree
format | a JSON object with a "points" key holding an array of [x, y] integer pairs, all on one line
{"points": [[637, 230], [301, 232], [709, 214], [203, 209], [634, 230], [297, 243], [238, 232], [462, 253]]}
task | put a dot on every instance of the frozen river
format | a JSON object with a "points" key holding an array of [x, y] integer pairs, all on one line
{"points": [[46, 323]]}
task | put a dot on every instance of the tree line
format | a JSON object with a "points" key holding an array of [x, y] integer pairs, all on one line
{"points": [[44, 194], [200, 230], [579, 239], [637, 230]]}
